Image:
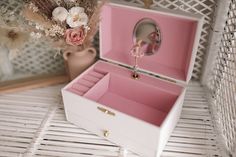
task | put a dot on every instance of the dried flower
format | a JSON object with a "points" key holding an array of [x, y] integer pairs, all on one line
{"points": [[36, 35], [33, 7], [93, 23], [58, 2], [72, 22], [54, 31], [45, 7], [39, 27], [36, 18], [75, 37], [89, 6], [77, 17], [13, 39], [59, 14]]}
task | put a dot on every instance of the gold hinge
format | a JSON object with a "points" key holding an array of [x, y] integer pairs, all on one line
{"points": [[106, 111]]}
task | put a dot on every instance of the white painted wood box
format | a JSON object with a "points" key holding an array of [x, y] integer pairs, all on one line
{"points": [[137, 114]]}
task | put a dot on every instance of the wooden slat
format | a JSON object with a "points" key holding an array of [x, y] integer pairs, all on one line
{"points": [[33, 82]]}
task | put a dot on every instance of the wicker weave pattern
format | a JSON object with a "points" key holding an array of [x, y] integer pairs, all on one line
{"points": [[223, 83], [203, 7], [38, 58]]}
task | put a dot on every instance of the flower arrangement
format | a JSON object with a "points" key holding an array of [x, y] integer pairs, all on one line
{"points": [[71, 24]]}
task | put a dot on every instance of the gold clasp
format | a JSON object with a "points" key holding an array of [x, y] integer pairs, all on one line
{"points": [[106, 111], [106, 133]]}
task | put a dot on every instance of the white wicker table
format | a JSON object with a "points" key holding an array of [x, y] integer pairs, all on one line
{"points": [[32, 123]]}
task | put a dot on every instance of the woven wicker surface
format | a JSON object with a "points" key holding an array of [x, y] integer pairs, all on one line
{"points": [[222, 82]]}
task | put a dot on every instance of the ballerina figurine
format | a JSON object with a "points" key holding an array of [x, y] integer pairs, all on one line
{"points": [[137, 54]]}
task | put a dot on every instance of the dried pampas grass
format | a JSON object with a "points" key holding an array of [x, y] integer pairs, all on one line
{"points": [[45, 6], [36, 18], [94, 24], [89, 5]]}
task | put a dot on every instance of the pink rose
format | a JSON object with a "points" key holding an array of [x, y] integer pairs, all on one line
{"points": [[75, 37]]}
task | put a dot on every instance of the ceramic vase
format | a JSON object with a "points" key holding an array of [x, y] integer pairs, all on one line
{"points": [[79, 61]]}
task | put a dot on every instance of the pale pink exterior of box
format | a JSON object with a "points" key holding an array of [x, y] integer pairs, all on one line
{"points": [[107, 83]]}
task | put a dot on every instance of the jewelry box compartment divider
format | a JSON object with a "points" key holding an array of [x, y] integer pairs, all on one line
{"points": [[82, 85]]}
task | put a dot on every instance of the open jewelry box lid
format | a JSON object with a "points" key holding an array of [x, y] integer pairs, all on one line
{"points": [[180, 37]]}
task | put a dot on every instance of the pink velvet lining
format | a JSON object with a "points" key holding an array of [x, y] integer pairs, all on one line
{"points": [[133, 98], [174, 56]]}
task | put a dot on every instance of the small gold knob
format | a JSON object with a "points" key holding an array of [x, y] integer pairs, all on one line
{"points": [[106, 133]]}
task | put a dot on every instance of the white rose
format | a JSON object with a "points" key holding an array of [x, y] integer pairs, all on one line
{"points": [[77, 17], [60, 14]]}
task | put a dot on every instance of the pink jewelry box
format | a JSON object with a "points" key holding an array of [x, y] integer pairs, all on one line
{"points": [[137, 114]]}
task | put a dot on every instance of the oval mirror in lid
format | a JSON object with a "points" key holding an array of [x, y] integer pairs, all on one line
{"points": [[147, 40], [147, 31]]}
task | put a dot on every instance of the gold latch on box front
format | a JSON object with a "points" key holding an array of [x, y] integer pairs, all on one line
{"points": [[106, 133], [106, 111]]}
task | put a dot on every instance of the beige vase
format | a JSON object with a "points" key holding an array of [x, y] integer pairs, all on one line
{"points": [[79, 61]]}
